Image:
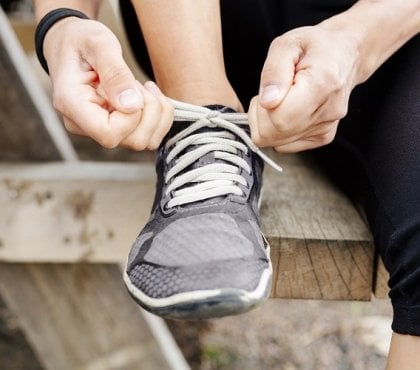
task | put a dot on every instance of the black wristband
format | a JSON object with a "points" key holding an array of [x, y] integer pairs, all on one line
{"points": [[45, 24]]}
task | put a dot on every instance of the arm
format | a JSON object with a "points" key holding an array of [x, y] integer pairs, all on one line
{"points": [[379, 27], [184, 40], [310, 71], [94, 89], [90, 7]]}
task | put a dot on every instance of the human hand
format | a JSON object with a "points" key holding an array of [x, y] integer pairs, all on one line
{"points": [[96, 92], [305, 86]]}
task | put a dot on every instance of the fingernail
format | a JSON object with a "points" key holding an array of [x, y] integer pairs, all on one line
{"points": [[270, 93], [130, 99]]}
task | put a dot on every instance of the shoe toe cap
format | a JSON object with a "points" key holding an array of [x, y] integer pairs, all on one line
{"points": [[163, 281]]}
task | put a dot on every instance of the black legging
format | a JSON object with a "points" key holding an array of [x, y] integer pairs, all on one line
{"points": [[375, 157]]}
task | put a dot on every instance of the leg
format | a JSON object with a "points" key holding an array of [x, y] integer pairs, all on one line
{"points": [[380, 143], [375, 158], [201, 254], [380, 140], [248, 30], [404, 353], [188, 34]]}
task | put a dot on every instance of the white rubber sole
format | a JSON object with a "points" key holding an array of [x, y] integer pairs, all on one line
{"points": [[205, 303]]}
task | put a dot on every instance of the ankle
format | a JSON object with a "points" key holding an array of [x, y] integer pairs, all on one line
{"points": [[204, 93]]}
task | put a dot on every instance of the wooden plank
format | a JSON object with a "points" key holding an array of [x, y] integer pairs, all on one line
{"points": [[25, 31], [20, 123], [15, 351], [29, 127], [320, 246], [319, 269], [381, 277], [72, 212], [79, 316]]}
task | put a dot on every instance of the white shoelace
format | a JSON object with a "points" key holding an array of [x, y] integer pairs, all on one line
{"points": [[214, 179]]}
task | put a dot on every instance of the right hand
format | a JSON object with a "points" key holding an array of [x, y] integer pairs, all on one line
{"points": [[306, 82], [96, 92]]}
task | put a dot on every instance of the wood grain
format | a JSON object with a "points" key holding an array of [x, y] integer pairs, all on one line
{"points": [[381, 276], [79, 316], [23, 135], [72, 212], [320, 246], [15, 351]]}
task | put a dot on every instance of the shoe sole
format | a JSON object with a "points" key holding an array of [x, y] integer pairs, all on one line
{"points": [[204, 304]]}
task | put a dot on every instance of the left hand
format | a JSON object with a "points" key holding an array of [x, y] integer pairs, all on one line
{"points": [[306, 82]]}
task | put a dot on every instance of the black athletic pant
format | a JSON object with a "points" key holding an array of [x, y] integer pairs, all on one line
{"points": [[375, 157]]}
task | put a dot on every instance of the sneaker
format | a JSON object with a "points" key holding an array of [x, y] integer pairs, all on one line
{"points": [[202, 254]]}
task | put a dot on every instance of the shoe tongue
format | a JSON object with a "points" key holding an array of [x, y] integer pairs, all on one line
{"points": [[221, 108], [179, 126]]}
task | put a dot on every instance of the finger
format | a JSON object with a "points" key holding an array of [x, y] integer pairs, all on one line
{"points": [[72, 127], [116, 79], [69, 88], [324, 135], [81, 106], [253, 120], [166, 118], [334, 108], [322, 130], [263, 131], [296, 113], [268, 131], [296, 147], [140, 138], [278, 71]]}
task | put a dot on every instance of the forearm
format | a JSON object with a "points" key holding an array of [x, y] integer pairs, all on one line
{"points": [[184, 40], [379, 27], [89, 7]]}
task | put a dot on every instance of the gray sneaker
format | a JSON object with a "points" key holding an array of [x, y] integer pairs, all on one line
{"points": [[202, 254]]}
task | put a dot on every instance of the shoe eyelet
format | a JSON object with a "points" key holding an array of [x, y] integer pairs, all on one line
{"points": [[164, 208]]}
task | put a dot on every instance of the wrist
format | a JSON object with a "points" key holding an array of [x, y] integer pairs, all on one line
{"points": [[56, 38], [204, 92], [44, 28], [352, 40], [368, 26]]}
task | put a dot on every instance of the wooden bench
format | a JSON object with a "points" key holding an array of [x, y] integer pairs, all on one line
{"points": [[91, 212], [65, 225]]}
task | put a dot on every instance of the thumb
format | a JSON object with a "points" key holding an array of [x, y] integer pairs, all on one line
{"points": [[118, 82], [278, 72]]}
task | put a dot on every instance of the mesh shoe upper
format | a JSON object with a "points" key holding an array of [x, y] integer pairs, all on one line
{"points": [[203, 233]]}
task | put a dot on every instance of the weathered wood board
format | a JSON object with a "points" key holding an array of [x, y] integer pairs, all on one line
{"points": [[69, 212], [22, 134], [79, 316], [320, 246], [381, 276], [15, 351], [30, 129]]}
